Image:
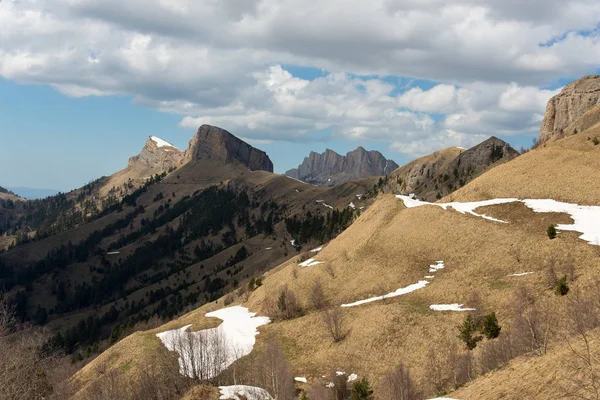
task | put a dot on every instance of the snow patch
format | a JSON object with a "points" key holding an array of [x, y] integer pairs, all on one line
{"points": [[161, 143], [236, 335], [317, 249], [399, 292], [300, 379], [359, 196], [429, 276], [110, 253], [297, 180], [239, 392], [437, 266], [293, 242], [310, 262], [297, 191], [449, 307], [319, 201], [269, 248], [327, 205], [586, 219], [352, 206], [520, 274], [352, 377]]}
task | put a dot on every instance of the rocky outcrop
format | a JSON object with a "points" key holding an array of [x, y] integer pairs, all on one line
{"points": [[569, 106], [331, 168], [213, 143], [158, 156], [436, 175]]}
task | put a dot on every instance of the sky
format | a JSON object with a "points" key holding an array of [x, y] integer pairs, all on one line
{"points": [[83, 83]]}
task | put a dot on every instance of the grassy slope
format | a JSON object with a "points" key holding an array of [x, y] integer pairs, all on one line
{"points": [[390, 247]]}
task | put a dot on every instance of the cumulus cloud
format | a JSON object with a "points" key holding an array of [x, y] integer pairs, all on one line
{"points": [[220, 62]]}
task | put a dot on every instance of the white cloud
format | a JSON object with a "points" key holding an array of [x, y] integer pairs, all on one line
{"points": [[219, 61]]}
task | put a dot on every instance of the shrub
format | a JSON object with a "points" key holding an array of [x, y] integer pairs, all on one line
{"points": [[562, 287], [468, 333], [284, 306], [490, 327], [595, 141], [361, 390], [551, 231], [335, 323]]}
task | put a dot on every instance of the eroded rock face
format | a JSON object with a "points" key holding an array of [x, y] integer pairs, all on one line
{"points": [[158, 155], [569, 106], [213, 143], [331, 168]]}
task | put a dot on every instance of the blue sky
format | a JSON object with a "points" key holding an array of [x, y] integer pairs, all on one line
{"points": [[83, 84], [54, 141]]}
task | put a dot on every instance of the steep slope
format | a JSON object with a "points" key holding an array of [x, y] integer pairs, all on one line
{"points": [[434, 176], [486, 265], [331, 168], [213, 143], [565, 112]]}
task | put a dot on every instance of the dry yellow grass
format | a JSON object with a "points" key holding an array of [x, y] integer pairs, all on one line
{"points": [[529, 377], [390, 247]]}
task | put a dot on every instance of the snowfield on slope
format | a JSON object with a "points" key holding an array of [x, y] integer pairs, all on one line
{"points": [[399, 292], [210, 351], [243, 392], [586, 219]]}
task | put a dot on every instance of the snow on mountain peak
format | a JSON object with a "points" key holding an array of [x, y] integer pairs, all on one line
{"points": [[161, 143]]}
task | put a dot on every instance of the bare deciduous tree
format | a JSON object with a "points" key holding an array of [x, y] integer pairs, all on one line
{"points": [[335, 323], [317, 297], [24, 362], [584, 363], [284, 305], [398, 385]]}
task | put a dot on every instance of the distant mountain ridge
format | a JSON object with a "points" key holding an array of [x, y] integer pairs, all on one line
{"points": [[330, 168]]}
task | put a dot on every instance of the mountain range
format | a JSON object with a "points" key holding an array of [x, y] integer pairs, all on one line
{"points": [[331, 168], [467, 273]]}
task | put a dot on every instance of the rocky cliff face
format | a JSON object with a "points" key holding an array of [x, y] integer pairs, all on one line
{"points": [[212, 143], [331, 168], [158, 156], [436, 175], [569, 107]]}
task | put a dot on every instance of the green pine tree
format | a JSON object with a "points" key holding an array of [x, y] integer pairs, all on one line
{"points": [[490, 327], [361, 390], [551, 231], [468, 333]]}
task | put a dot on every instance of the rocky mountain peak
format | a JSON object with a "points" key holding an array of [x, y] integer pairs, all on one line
{"points": [[213, 143], [569, 106], [330, 168], [158, 155]]}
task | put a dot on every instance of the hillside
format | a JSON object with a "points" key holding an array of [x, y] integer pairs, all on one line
{"points": [[428, 258], [331, 168], [438, 174], [391, 246], [181, 239]]}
